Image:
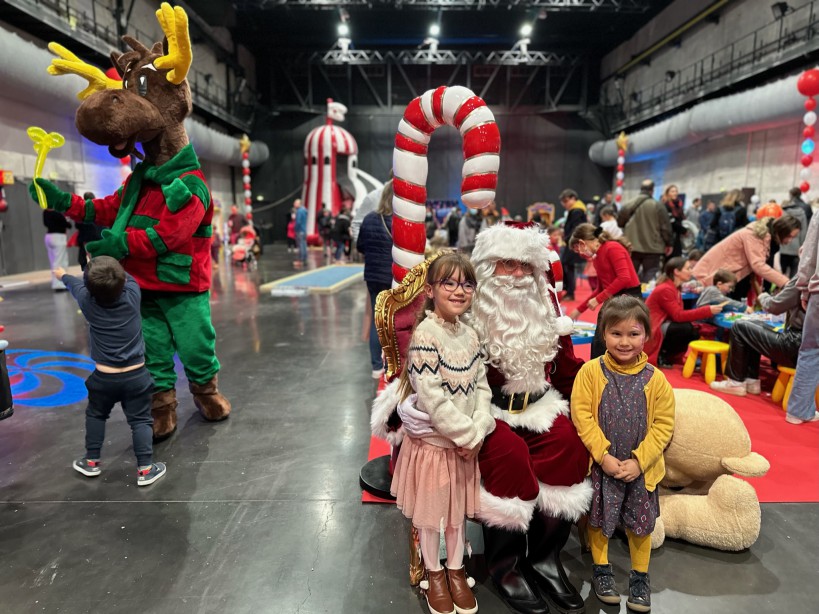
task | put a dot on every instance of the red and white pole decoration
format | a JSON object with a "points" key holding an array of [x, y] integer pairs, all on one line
{"points": [[808, 85], [454, 106], [622, 145], [244, 147]]}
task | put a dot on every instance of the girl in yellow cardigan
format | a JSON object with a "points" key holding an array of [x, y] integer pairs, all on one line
{"points": [[623, 409]]}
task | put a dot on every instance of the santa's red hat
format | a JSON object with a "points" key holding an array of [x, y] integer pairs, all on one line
{"points": [[524, 242]]}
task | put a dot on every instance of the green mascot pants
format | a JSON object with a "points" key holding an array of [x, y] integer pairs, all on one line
{"points": [[178, 324]]}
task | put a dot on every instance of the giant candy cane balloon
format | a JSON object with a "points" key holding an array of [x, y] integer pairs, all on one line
{"points": [[455, 106]]}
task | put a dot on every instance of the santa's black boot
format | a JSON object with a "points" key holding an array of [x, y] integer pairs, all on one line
{"points": [[547, 536], [505, 553]]}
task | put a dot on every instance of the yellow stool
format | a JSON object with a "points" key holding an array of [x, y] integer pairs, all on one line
{"points": [[709, 350], [782, 388]]}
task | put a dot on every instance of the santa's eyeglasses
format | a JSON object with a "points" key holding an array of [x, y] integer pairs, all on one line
{"points": [[450, 285], [510, 266]]}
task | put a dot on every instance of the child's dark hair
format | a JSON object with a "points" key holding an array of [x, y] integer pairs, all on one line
{"points": [[723, 276], [607, 211], [671, 265], [695, 255], [446, 266], [622, 308], [104, 278], [553, 229], [588, 232]]}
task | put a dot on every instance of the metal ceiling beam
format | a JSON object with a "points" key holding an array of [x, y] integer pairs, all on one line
{"points": [[624, 6], [365, 57]]}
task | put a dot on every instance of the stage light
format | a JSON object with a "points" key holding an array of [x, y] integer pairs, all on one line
{"points": [[434, 30], [526, 29], [343, 29], [780, 9]]}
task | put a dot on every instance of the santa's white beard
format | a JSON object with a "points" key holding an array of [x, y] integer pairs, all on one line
{"points": [[515, 324]]}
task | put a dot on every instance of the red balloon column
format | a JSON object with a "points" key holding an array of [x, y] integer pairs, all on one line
{"points": [[454, 106], [244, 147], [622, 144], [808, 85]]}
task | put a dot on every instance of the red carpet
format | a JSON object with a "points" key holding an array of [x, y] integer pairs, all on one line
{"points": [[792, 450]]}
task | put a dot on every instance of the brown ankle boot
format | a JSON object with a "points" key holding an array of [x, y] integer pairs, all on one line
{"points": [[209, 401], [163, 410], [462, 596], [438, 598]]}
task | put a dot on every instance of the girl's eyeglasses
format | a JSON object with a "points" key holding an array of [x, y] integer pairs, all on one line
{"points": [[450, 285], [510, 266]]}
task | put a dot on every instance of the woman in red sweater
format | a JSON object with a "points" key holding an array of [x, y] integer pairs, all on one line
{"points": [[615, 272], [671, 328]]}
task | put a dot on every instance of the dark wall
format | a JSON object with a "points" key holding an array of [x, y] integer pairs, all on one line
{"points": [[539, 158], [23, 239]]}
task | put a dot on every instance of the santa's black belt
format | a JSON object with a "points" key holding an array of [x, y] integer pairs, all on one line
{"points": [[514, 403]]}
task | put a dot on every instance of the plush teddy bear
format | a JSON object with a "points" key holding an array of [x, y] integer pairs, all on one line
{"points": [[700, 499]]}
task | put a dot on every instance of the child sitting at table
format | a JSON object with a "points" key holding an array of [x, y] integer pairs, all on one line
{"points": [[692, 285], [724, 282]]}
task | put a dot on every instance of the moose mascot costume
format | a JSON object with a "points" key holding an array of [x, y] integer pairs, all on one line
{"points": [[159, 220]]}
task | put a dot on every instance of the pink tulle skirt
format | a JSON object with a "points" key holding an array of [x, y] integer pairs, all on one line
{"points": [[434, 485]]}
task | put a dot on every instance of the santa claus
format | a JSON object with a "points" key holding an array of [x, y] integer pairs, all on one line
{"points": [[533, 465]]}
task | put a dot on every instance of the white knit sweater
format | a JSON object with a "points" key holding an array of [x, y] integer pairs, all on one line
{"points": [[448, 374]]}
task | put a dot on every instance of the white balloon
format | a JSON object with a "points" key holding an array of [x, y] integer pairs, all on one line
{"points": [[755, 199], [245, 163], [248, 193], [804, 173], [621, 160], [246, 179], [809, 118], [618, 190], [620, 175]]}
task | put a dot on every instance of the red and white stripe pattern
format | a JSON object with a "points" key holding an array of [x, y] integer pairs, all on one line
{"points": [[454, 106], [320, 184]]}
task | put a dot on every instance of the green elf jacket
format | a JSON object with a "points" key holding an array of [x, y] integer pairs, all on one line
{"points": [[167, 212]]}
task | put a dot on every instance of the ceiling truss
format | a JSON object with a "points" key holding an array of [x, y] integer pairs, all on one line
{"points": [[630, 6]]}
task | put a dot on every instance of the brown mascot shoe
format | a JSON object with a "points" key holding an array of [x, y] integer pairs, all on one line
{"points": [[163, 410], [438, 598], [462, 595], [209, 401]]}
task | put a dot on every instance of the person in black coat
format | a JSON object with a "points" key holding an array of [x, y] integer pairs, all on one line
{"points": [[575, 215], [375, 243]]}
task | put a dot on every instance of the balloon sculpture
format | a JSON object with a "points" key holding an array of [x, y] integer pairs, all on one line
{"points": [[458, 107], [808, 85], [622, 145]]}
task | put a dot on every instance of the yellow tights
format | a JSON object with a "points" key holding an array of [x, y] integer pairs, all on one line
{"points": [[639, 548]]}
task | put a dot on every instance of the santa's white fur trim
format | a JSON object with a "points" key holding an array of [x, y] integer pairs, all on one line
{"points": [[564, 325], [513, 513], [383, 406], [569, 502], [502, 242], [539, 416]]}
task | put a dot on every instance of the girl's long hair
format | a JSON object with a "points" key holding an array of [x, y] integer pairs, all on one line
{"points": [[446, 266], [671, 265], [588, 232]]}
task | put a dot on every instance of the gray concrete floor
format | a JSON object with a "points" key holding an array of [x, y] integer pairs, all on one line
{"points": [[262, 513]]}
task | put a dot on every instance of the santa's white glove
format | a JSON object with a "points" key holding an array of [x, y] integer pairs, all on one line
{"points": [[416, 422]]}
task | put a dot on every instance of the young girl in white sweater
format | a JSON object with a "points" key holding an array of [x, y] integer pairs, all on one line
{"points": [[436, 479]]}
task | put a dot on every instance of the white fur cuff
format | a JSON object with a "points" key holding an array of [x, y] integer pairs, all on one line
{"points": [[383, 406], [513, 514], [569, 502]]}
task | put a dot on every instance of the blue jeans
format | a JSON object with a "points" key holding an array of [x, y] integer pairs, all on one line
{"points": [[375, 344], [133, 390], [301, 242], [801, 403]]}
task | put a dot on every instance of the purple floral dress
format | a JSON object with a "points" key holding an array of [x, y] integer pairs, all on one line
{"points": [[623, 417]]}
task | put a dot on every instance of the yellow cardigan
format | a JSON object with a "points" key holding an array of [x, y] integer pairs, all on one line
{"points": [[586, 395]]}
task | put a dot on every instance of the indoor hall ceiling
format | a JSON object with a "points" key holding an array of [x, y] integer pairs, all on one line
{"points": [[591, 28]]}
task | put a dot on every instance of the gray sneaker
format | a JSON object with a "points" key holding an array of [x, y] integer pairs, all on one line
{"points": [[87, 467], [603, 584], [639, 592], [147, 477]]}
